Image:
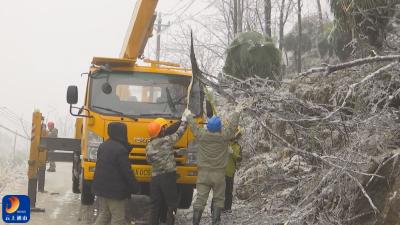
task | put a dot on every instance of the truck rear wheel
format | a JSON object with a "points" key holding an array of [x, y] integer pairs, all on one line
{"points": [[185, 196], [87, 197]]}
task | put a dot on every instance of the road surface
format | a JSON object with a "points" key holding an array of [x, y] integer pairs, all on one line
{"points": [[62, 207], [60, 204]]}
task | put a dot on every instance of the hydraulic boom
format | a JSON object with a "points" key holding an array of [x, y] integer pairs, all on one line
{"points": [[139, 30]]}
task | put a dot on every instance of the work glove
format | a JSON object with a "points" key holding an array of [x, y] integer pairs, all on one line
{"points": [[183, 118], [186, 113], [230, 150]]}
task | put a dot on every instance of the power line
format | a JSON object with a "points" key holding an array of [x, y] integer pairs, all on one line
{"points": [[187, 7], [13, 114], [14, 118], [190, 17], [14, 132], [8, 116], [174, 8]]}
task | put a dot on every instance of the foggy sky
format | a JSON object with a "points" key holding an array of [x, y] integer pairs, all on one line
{"points": [[45, 45]]}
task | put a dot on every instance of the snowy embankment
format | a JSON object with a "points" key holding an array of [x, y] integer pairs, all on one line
{"points": [[13, 173]]}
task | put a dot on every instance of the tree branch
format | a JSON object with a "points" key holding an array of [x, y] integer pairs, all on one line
{"points": [[328, 69], [376, 210]]}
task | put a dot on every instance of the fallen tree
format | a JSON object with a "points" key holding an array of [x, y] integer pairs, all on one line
{"points": [[341, 130]]}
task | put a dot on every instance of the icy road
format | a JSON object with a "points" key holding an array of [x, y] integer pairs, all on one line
{"points": [[62, 207]]}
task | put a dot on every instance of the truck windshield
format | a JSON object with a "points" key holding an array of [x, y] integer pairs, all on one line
{"points": [[143, 94]]}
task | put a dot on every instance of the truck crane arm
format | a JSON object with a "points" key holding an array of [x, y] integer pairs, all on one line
{"points": [[139, 30]]}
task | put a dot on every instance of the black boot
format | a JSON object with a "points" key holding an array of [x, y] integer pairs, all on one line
{"points": [[197, 216], [216, 216], [153, 220], [171, 216], [154, 217]]}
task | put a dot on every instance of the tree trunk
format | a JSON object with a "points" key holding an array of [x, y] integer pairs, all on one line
{"points": [[300, 37], [240, 16], [281, 25], [321, 26], [235, 17], [267, 14]]}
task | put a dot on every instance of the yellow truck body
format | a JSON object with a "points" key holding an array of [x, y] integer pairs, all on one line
{"points": [[120, 90], [137, 130], [139, 94]]}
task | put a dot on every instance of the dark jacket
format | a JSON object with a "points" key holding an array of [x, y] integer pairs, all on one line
{"points": [[113, 177]]}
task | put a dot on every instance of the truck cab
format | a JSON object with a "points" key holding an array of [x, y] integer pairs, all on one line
{"points": [[119, 90]]}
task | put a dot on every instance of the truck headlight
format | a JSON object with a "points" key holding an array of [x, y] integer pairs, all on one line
{"points": [[94, 142], [192, 153]]}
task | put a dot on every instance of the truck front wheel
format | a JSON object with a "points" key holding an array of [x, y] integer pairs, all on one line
{"points": [[87, 197]]}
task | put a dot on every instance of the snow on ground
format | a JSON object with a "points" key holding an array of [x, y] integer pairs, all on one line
{"points": [[63, 207]]}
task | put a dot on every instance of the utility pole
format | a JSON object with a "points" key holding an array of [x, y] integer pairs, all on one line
{"points": [[159, 29], [158, 49]]}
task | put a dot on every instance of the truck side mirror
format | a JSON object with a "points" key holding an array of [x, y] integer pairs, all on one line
{"points": [[72, 94]]}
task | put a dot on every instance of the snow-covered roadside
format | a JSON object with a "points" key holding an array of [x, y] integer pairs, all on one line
{"points": [[13, 179]]}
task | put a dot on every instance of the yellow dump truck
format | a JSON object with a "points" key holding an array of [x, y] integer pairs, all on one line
{"points": [[118, 89]]}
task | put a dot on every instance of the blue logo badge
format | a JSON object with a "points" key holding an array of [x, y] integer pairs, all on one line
{"points": [[16, 209]]}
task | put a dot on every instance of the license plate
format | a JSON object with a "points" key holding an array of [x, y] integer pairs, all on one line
{"points": [[143, 172]]}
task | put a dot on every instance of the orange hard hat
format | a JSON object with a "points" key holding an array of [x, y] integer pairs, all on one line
{"points": [[161, 121], [154, 129]]}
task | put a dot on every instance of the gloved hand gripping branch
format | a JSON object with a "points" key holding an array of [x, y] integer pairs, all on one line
{"points": [[185, 114]]}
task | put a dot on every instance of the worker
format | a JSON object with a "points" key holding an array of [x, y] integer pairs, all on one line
{"points": [[160, 153], [114, 181], [212, 158], [235, 157], [52, 133], [44, 130]]}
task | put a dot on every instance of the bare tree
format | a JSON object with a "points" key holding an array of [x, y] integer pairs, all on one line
{"points": [[235, 17], [299, 37], [227, 19], [285, 9], [267, 14], [240, 16], [321, 28]]}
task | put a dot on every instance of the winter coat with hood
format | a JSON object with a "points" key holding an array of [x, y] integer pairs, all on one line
{"points": [[113, 177]]}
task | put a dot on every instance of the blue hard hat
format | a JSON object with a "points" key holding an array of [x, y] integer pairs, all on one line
{"points": [[214, 124]]}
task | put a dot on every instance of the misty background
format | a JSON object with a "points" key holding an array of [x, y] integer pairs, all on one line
{"points": [[45, 45]]}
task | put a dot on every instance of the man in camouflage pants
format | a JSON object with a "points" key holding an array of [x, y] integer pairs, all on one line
{"points": [[160, 153], [212, 158], [52, 133]]}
